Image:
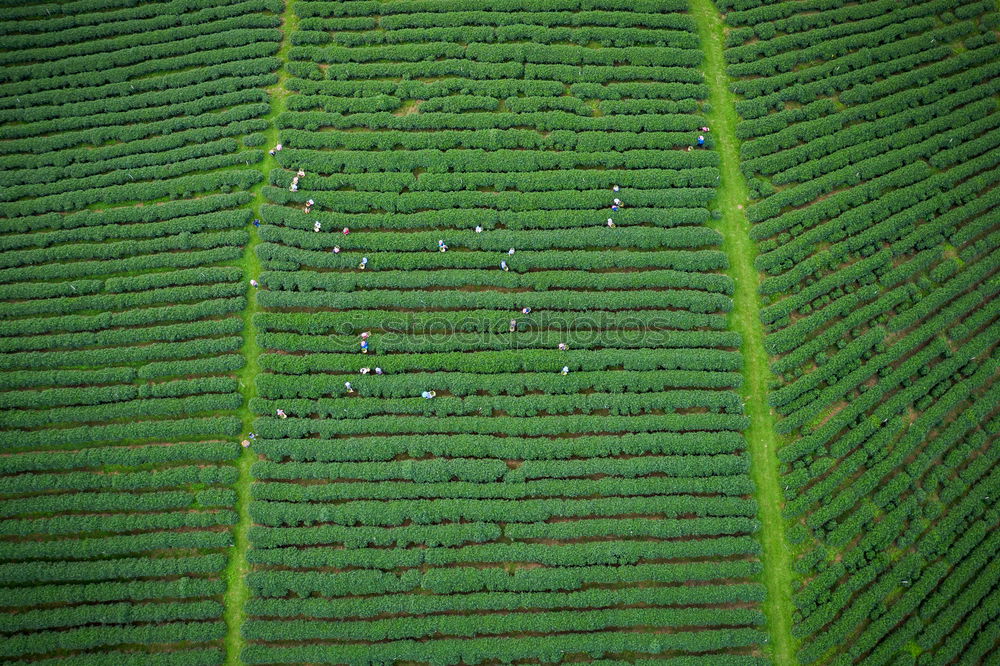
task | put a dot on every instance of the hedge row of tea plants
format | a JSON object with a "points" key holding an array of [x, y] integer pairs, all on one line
{"points": [[870, 143], [124, 170], [608, 511]]}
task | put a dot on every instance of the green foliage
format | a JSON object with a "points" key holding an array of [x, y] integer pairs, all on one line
{"points": [[254, 140], [870, 142], [125, 190]]}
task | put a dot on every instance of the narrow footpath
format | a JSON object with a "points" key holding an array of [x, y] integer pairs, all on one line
{"points": [[745, 318], [237, 591]]}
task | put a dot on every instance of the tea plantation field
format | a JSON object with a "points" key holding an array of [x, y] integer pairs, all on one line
{"points": [[535, 331]]}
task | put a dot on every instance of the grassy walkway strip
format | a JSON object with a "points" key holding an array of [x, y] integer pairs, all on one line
{"points": [[745, 319], [236, 570]]}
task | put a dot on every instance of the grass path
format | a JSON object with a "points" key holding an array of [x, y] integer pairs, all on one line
{"points": [[236, 570], [745, 319]]}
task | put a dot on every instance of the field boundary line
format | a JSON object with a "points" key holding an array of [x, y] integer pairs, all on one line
{"points": [[237, 592], [741, 250]]}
